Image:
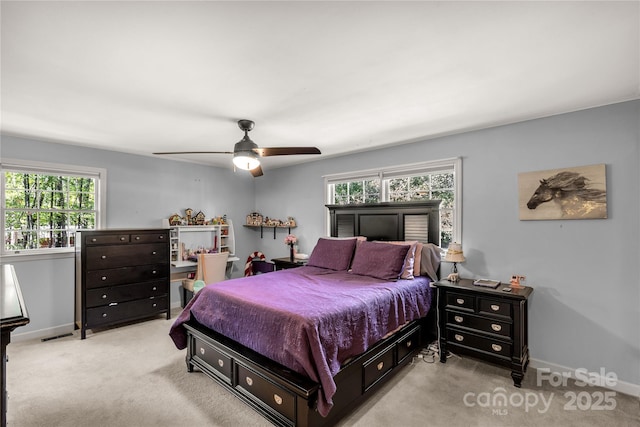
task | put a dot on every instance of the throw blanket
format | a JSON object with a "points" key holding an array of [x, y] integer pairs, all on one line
{"points": [[308, 319]]}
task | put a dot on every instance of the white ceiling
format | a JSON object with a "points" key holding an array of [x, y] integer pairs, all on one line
{"points": [[153, 76]]}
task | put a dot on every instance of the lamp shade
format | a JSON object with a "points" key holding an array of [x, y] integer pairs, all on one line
{"points": [[454, 253]]}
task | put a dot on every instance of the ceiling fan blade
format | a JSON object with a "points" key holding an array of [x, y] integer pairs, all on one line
{"points": [[194, 152], [285, 151], [257, 171]]}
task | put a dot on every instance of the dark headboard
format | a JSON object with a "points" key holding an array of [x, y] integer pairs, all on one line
{"points": [[388, 221]]}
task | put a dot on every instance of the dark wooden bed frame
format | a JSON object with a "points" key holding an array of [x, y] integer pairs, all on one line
{"points": [[287, 398]]}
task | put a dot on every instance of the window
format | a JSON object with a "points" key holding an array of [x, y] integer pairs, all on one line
{"points": [[421, 181], [44, 204]]}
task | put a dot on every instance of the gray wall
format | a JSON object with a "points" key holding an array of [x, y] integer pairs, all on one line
{"points": [[585, 310]]}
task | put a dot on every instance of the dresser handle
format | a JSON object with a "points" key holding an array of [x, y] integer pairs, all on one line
{"points": [[137, 237], [154, 305], [154, 253], [103, 257], [104, 314], [458, 337], [155, 288], [496, 347], [495, 307], [122, 239], [249, 381], [161, 237], [409, 344], [104, 278], [460, 301], [202, 351], [220, 363], [496, 327], [104, 296], [154, 272], [277, 399], [458, 319], [380, 366], [113, 304], [94, 240]]}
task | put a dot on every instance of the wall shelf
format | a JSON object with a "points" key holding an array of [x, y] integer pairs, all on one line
{"points": [[275, 228]]}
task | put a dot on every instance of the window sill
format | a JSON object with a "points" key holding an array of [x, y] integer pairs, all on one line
{"points": [[9, 258]]}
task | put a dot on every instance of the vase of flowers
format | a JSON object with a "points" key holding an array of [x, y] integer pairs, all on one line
{"points": [[291, 240]]}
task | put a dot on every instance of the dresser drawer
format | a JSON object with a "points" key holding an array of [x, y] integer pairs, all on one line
{"points": [[482, 324], [462, 301], [477, 342], [107, 239], [494, 307], [126, 310], [109, 256], [124, 275], [218, 362], [105, 296], [159, 237], [377, 367], [266, 392], [408, 344]]}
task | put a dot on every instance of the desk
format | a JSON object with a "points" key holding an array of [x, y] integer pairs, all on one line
{"points": [[13, 313], [180, 270]]}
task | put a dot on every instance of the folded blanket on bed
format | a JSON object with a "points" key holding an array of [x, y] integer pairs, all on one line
{"points": [[308, 319]]}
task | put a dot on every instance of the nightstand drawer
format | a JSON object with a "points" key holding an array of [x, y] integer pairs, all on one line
{"points": [[494, 307], [481, 324], [462, 301], [488, 345]]}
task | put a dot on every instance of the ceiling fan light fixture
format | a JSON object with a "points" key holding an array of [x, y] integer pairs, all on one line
{"points": [[246, 160]]}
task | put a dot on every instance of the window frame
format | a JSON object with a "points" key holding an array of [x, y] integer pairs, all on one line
{"points": [[46, 168], [411, 169]]}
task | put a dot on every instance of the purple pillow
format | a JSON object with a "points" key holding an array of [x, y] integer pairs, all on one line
{"points": [[380, 260], [332, 254]]}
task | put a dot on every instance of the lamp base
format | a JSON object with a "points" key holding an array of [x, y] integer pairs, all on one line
{"points": [[453, 277]]}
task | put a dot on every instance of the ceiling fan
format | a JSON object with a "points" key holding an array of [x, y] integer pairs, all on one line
{"points": [[246, 153]]}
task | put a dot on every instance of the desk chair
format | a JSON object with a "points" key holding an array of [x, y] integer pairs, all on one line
{"points": [[211, 269]]}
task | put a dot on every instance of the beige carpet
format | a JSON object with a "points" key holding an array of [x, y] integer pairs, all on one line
{"points": [[134, 376]]}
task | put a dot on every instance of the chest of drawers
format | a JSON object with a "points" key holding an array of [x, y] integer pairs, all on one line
{"points": [[486, 323], [121, 275]]}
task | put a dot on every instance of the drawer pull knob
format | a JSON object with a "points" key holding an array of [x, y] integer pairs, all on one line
{"points": [[249, 381], [458, 337], [103, 278], [380, 366], [220, 363], [460, 301], [202, 351], [104, 296], [154, 272], [409, 344], [161, 237], [137, 237], [458, 319], [496, 347], [496, 327], [495, 307], [94, 240], [104, 314], [103, 257], [155, 305], [122, 239], [277, 399], [155, 288], [154, 253]]}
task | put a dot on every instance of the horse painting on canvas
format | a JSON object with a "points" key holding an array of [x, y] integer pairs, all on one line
{"points": [[573, 194]]}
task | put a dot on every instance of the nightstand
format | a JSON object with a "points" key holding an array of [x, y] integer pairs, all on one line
{"points": [[284, 263], [489, 324]]}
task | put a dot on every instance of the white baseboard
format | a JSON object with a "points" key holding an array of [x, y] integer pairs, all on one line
{"points": [[43, 333], [619, 386]]}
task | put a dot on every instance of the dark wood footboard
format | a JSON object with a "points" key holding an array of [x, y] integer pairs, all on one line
{"points": [[287, 398]]}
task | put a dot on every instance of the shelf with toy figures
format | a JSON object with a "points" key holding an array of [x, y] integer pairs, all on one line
{"points": [[275, 228]]}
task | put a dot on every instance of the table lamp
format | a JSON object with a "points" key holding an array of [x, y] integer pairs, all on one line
{"points": [[454, 255]]}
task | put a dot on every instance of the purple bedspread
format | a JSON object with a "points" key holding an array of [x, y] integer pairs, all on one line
{"points": [[308, 319]]}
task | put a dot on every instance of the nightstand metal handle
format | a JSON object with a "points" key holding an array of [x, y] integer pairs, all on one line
{"points": [[496, 347], [496, 327], [458, 337], [495, 307], [460, 301], [458, 319]]}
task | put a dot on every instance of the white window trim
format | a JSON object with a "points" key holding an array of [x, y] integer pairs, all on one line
{"points": [[404, 170], [48, 168]]}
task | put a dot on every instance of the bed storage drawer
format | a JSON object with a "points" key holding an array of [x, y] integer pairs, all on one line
{"points": [[377, 367], [218, 362], [265, 392], [408, 344]]}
